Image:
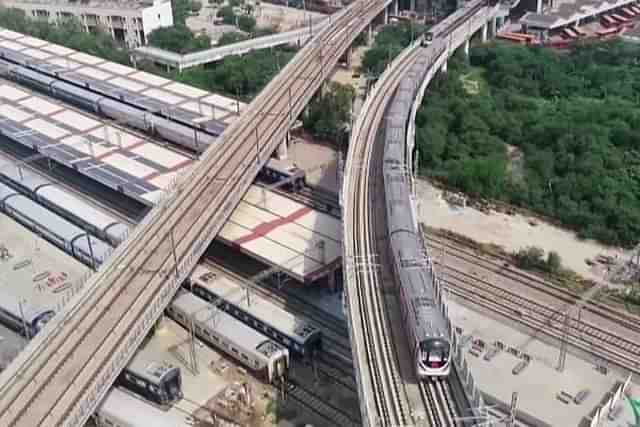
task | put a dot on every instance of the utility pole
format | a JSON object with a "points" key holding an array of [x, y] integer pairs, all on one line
{"points": [[563, 344], [511, 421]]}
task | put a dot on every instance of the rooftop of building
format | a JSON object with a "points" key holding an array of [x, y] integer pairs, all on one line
{"points": [[90, 4], [565, 12]]}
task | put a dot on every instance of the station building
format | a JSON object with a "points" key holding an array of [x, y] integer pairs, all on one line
{"points": [[561, 14], [128, 21]]}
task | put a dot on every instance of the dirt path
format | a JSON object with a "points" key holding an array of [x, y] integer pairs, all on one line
{"points": [[511, 232]]}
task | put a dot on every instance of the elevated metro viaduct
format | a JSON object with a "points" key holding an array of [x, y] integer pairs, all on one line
{"points": [[60, 377]]}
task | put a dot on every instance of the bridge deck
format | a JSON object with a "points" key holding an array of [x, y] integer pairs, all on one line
{"points": [[63, 373]]}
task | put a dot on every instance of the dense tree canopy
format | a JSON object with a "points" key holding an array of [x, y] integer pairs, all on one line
{"points": [[71, 35], [556, 133], [242, 76], [388, 44], [179, 39], [330, 114]]}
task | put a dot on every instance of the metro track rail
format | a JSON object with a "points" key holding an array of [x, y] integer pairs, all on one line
{"points": [[438, 398], [69, 367], [502, 265], [586, 337]]}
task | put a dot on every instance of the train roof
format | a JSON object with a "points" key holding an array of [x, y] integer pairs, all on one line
{"points": [[134, 412], [57, 225], [10, 303], [224, 324], [78, 207], [148, 365], [22, 176], [6, 191], [267, 312]]}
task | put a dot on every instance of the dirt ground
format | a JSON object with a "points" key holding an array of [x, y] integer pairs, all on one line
{"points": [[511, 231], [282, 17]]}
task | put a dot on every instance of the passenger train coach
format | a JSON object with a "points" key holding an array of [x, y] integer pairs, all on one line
{"points": [[240, 342], [212, 285]]}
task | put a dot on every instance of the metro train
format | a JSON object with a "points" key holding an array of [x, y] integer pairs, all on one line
{"points": [[210, 284], [147, 376], [429, 332], [120, 409], [244, 344], [103, 225], [118, 109], [55, 229], [21, 316], [450, 23]]}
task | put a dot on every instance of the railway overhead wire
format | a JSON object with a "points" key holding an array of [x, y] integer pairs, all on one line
{"points": [[62, 374]]}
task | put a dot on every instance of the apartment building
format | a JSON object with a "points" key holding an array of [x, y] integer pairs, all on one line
{"points": [[129, 21]]}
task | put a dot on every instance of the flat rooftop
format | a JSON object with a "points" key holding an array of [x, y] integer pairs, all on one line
{"points": [[204, 109], [568, 12], [90, 4], [540, 382], [265, 225], [35, 270]]}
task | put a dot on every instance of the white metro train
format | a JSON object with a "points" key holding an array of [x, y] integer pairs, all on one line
{"points": [[252, 349]]}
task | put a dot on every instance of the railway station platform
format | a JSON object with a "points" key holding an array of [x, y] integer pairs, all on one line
{"points": [[32, 269], [300, 241], [544, 393]]}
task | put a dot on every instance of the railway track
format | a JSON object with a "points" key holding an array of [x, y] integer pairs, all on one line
{"points": [[332, 414], [69, 367], [544, 317], [502, 265], [543, 320], [438, 399], [365, 217]]}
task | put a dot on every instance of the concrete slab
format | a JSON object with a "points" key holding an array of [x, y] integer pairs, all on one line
{"points": [[47, 270], [56, 49], [65, 63], [8, 34], [116, 68], [128, 165], [13, 46], [33, 42], [12, 93], [14, 114], [309, 156], [40, 105], [95, 73], [539, 384], [78, 121], [86, 59], [185, 90], [37, 53], [162, 156], [47, 128], [128, 84], [163, 96], [149, 79]]}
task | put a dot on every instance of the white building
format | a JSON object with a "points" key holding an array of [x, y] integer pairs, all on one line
{"points": [[129, 21]]}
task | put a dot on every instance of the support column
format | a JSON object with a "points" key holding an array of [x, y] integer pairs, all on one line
{"points": [[395, 6], [331, 281], [412, 5], [385, 16], [466, 47], [483, 37], [349, 58], [539, 6], [494, 27], [444, 67], [369, 35], [283, 149]]}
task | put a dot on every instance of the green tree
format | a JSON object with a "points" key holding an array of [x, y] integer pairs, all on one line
{"points": [[554, 262], [178, 39], [330, 114], [246, 23], [196, 6], [227, 14], [231, 37]]}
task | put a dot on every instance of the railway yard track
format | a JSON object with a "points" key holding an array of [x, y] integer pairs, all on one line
{"points": [[595, 329], [438, 399], [69, 367]]}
